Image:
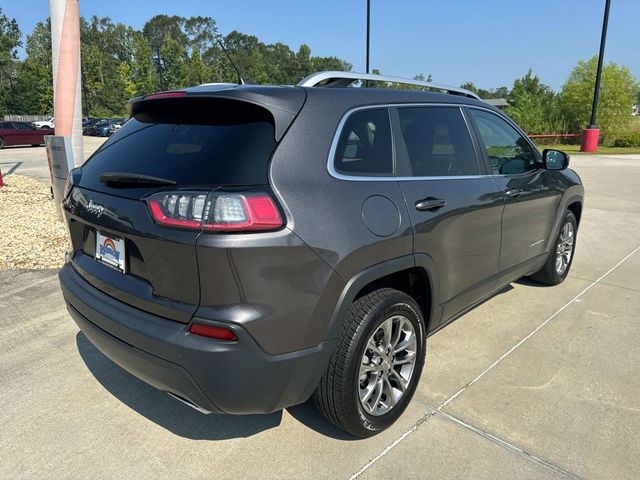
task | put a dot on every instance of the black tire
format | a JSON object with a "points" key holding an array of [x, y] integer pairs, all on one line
{"points": [[1, 142], [337, 395], [548, 274]]}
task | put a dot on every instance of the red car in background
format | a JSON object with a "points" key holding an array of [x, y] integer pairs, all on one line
{"points": [[22, 133]]}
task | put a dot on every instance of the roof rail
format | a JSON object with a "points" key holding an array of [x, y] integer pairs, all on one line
{"points": [[344, 79]]}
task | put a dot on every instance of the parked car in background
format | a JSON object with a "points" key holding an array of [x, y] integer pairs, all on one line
{"points": [[100, 128], [22, 133], [49, 123], [117, 125], [86, 126], [86, 120], [245, 247]]}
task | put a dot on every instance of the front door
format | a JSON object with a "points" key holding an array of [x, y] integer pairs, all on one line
{"points": [[531, 200], [454, 206]]}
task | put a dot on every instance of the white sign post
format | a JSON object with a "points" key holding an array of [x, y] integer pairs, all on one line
{"points": [[60, 158]]}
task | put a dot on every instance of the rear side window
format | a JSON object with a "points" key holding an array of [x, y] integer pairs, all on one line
{"points": [[364, 147], [437, 142], [6, 125], [192, 141]]}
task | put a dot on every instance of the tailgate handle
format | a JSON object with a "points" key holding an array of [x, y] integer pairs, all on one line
{"points": [[430, 203]]}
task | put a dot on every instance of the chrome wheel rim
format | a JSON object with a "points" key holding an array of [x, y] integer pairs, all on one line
{"points": [[387, 365], [564, 249]]}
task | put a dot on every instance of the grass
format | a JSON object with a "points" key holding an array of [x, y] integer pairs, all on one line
{"points": [[575, 149]]}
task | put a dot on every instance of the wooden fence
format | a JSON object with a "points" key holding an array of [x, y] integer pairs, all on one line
{"points": [[26, 118]]}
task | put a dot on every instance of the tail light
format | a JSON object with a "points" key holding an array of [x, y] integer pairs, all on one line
{"points": [[215, 211]]}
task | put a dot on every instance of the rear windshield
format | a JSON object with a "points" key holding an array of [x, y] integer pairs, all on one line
{"points": [[192, 141]]}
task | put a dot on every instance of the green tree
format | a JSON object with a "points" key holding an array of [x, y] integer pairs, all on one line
{"points": [[174, 68], [618, 90], [532, 105], [197, 72], [481, 92], [330, 63], [202, 33], [10, 40], [119, 62], [157, 31], [33, 93], [143, 71]]}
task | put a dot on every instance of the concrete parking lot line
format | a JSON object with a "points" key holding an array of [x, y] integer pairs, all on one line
{"points": [[534, 331], [422, 420], [445, 449], [508, 446], [569, 395]]}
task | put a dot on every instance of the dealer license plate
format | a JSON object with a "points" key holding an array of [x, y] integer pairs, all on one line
{"points": [[110, 251]]}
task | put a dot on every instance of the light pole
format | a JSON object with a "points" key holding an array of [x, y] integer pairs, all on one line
{"points": [[368, 30], [591, 135]]}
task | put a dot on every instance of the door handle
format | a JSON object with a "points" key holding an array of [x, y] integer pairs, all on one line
{"points": [[514, 192], [430, 203]]}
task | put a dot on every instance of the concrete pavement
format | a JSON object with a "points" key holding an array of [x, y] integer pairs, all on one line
{"points": [[537, 382]]}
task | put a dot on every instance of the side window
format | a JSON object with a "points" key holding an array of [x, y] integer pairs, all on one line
{"points": [[6, 125], [508, 151], [437, 142], [364, 146], [22, 126]]}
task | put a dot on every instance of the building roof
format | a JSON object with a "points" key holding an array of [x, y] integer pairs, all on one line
{"points": [[497, 102]]}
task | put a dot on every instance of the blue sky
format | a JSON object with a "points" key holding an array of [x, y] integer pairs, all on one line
{"points": [[488, 42]]}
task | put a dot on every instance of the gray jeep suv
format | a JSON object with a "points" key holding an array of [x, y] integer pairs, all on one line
{"points": [[246, 247]]}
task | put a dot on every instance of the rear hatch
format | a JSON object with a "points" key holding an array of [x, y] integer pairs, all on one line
{"points": [[173, 146]]}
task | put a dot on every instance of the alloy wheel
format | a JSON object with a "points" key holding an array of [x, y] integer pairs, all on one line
{"points": [[564, 249], [387, 365]]}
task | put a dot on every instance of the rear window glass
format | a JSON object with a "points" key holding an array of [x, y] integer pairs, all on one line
{"points": [[190, 141], [364, 146], [437, 142]]}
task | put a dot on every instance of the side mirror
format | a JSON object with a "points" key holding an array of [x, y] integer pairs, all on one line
{"points": [[554, 159]]}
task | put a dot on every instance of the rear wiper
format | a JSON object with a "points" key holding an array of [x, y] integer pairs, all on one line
{"points": [[132, 180]]}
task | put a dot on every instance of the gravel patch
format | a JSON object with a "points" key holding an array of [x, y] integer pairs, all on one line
{"points": [[31, 236]]}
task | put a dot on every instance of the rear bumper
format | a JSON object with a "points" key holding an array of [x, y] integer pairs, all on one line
{"points": [[223, 377]]}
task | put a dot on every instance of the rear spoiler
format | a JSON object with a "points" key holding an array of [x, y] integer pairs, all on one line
{"points": [[283, 103]]}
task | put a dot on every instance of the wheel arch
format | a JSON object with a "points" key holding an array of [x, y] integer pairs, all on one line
{"points": [[415, 275], [575, 206]]}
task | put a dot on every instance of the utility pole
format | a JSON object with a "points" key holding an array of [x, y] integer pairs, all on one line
{"points": [[368, 31], [591, 135]]}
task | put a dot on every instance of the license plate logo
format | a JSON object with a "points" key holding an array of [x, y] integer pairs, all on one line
{"points": [[110, 250]]}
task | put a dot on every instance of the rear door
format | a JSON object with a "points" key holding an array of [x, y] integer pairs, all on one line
{"points": [[531, 200], [455, 207], [201, 145]]}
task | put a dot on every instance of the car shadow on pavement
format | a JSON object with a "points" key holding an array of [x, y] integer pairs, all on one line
{"points": [[530, 283], [307, 414], [165, 411]]}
